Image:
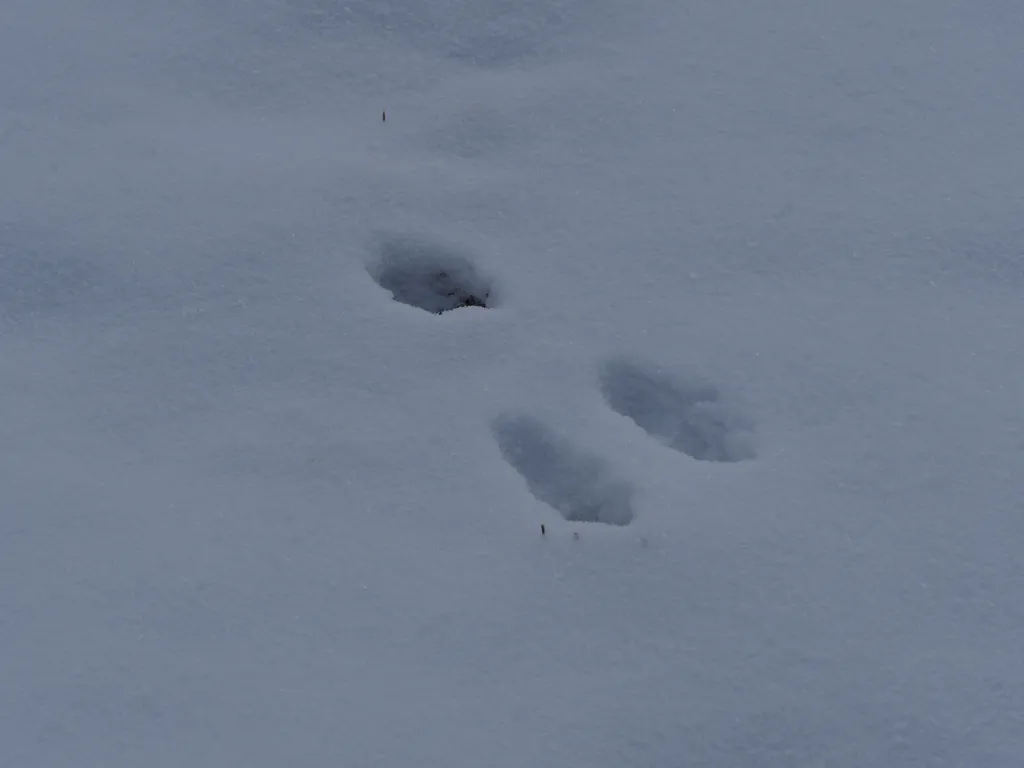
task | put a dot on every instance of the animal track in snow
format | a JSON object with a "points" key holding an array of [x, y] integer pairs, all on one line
{"points": [[689, 416], [574, 482], [428, 276]]}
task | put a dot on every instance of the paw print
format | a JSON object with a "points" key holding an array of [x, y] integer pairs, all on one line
{"points": [[684, 413], [687, 415]]}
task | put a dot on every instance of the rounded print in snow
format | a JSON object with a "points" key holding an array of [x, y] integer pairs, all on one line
{"points": [[430, 277], [579, 485], [689, 416]]}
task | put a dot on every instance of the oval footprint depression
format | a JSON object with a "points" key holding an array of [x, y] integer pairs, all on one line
{"points": [[579, 485], [689, 416], [429, 276]]}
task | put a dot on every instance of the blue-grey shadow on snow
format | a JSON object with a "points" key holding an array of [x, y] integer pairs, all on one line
{"points": [[577, 484], [429, 276], [489, 34], [689, 416]]}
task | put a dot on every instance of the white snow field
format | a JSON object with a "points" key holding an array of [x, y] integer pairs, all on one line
{"points": [[750, 349]]}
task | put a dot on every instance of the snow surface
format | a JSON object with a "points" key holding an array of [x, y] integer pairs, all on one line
{"points": [[755, 275]]}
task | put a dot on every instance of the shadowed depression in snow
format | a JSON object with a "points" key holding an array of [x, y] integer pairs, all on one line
{"points": [[429, 276], [688, 416], [573, 481]]}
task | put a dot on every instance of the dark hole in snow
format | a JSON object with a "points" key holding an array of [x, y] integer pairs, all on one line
{"points": [[431, 277]]}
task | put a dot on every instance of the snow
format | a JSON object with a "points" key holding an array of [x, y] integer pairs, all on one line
{"points": [[751, 354]]}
